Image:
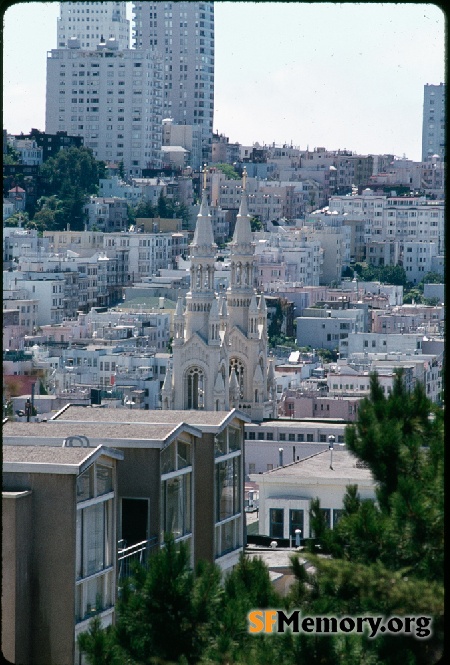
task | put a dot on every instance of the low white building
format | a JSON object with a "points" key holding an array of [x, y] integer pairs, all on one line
{"points": [[285, 494], [274, 441]]}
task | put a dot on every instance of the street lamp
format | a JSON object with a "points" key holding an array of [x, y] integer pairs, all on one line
{"points": [[331, 441], [280, 452]]}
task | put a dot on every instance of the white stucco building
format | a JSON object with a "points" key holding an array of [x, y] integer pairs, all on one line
{"points": [[285, 493]]}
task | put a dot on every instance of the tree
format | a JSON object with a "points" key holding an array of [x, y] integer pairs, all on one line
{"points": [[50, 214], [12, 156], [171, 614], [71, 176], [256, 224], [228, 170], [19, 218]]}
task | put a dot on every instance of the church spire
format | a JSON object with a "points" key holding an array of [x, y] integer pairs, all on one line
{"points": [[203, 235], [242, 236]]}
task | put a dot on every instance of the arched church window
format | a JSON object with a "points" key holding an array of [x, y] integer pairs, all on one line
{"points": [[195, 388], [239, 368]]}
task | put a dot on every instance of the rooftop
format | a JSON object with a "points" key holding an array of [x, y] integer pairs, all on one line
{"points": [[52, 459], [346, 467], [200, 419], [118, 433]]}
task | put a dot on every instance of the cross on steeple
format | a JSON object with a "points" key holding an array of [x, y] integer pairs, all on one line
{"points": [[205, 172], [244, 178]]}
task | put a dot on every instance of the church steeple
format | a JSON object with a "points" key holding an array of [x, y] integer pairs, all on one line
{"points": [[203, 252], [242, 262], [220, 339]]}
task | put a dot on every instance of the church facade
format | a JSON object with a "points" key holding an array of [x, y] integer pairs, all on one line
{"points": [[220, 339]]}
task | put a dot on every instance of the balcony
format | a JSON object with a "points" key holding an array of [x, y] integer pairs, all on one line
{"points": [[128, 557]]}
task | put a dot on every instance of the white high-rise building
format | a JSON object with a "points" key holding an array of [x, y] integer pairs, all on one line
{"points": [[92, 22], [112, 98], [183, 34], [433, 128]]}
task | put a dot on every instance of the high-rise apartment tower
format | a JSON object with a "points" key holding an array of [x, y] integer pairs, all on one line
{"points": [[183, 34], [112, 98], [433, 129], [90, 22]]}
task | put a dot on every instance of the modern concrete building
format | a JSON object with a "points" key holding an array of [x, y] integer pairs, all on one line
{"points": [[180, 472], [208, 467], [92, 22], [183, 34], [59, 546], [112, 98], [433, 127]]}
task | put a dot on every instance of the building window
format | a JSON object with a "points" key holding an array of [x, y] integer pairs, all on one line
{"points": [[296, 522], [337, 514], [282, 437], [300, 437], [94, 542], [276, 523], [176, 489], [228, 488], [195, 388]]}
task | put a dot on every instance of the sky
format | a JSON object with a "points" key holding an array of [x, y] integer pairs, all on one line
{"points": [[340, 76]]}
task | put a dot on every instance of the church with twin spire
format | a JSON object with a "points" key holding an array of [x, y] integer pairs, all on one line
{"points": [[220, 339]]}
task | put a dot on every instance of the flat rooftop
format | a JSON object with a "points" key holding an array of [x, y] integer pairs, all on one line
{"points": [[346, 467], [200, 419], [122, 434]]}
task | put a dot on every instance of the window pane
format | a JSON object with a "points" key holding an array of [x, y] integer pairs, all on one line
{"points": [[104, 479], [93, 539], [326, 512], [234, 439], [187, 503], [85, 485], [79, 544], [276, 522], [184, 455], [94, 596], [337, 514], [227, 537], [237, 484], [220, 443], [296, 522], [174, 499], [168, 458], [224, 480]]}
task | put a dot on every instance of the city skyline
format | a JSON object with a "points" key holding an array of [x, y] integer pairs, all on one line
{"points": [[369, 101]]}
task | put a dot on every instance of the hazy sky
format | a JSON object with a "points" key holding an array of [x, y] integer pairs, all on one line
{"points": [[320, 74]]}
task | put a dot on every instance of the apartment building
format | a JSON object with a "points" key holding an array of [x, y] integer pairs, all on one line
{"points": [[394, 217], [433, 126], [183, 35], [92, 22], [327, 328], [418, 259], [52, 585], [107, 214], [109, 96]]}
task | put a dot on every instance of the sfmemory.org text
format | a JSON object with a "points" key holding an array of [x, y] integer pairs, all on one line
{"points": [[277, 621]]}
